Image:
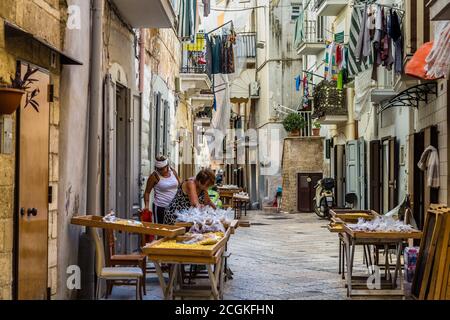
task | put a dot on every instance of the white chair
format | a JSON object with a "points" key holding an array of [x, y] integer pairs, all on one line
{"points": [[125, 274]]}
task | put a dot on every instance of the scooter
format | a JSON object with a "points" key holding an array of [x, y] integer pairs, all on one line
{"points": [[324, 199]]}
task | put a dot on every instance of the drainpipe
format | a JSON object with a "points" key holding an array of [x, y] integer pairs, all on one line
{"points": [[95, 104], [86, 252], [141, 59]]}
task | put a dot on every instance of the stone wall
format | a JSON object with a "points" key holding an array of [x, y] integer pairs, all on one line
{"points": [[300, 154], [43, 18]]}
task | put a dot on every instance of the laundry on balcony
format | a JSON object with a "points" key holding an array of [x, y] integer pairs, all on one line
{"points": [[222, 53], [188, 20], [438, 61], [376, 39]]}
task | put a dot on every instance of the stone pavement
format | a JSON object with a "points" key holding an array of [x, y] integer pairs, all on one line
{"points": [[281, 256]]}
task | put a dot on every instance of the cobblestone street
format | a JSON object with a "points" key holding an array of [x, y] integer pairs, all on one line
{"points": [[280, 256]]}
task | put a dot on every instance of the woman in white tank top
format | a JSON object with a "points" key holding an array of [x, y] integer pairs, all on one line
{"points": [[164, 181]]}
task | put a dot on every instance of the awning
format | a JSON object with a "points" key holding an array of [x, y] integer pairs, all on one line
{"points": [[14, 31], [412, 96]]}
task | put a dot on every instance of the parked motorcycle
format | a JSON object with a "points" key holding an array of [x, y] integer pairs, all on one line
{"points": [[324, 199]]}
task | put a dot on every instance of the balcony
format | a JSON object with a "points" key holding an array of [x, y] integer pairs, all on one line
{"points": [[329, 7], [147, 13], [329, 104], [194, 74], [312, 41], [439, 9], [246, 48]]}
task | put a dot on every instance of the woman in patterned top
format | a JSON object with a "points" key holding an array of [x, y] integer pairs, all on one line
{"points": [[191, 193]]}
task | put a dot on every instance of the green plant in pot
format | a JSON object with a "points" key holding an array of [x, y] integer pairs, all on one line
{"points": [[316, 128], [11, 94], [293, 123]]}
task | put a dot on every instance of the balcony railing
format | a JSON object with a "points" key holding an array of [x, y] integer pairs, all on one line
{"points": [[311, 39], [194, 57], [307, 130], [246, 45], [313, 31]]}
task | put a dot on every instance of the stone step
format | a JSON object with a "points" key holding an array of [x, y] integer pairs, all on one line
{"points": [[268, 209]]}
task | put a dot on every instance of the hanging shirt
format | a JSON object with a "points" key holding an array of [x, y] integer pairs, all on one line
{"points": [[297, 83]]}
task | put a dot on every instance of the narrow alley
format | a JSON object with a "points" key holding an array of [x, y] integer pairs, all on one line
{"points": [[152, 149]]}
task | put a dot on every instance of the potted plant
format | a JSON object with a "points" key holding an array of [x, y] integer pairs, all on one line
{"points": [[11, 94], [293, 124], [316, 128]]}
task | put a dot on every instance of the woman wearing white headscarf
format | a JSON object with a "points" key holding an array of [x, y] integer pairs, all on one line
{"points": [[165, 181]]}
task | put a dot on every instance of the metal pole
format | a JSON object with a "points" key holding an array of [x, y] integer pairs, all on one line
{"points": [[95, 104]]}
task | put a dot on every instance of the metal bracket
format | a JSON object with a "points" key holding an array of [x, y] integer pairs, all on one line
{"points": [[412, 97]]}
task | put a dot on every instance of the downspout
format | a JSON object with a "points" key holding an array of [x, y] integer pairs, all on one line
{"points": [[95, 105], [141, 59]]}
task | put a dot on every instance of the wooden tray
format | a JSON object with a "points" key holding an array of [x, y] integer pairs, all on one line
{"points": [[146, 228], [382, 235], [335, 228], [209, 251], [187, 259], [351, 215]]}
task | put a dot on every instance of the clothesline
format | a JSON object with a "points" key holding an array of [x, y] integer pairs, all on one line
{"points": [[220, 27], [362, 5]]}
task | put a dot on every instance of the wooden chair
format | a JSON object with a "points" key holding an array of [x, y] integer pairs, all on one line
{"points": [[124, 260], [126, 275]]}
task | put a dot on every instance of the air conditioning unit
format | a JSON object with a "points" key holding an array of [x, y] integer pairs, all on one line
{"points": [[254, 89]]}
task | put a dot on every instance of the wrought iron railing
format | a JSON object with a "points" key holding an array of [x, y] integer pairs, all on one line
{"points": [[193, 58]]}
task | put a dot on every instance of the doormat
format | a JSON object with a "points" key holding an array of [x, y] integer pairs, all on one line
{"points": [[259, 224]]}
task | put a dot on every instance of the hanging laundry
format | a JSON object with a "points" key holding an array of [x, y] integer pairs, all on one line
{"points": [[361, 35], [216, 52], [297, 83], [305, 100], [355, 65], [438, 61], [187, 25], [206, 7], [430, 161]]}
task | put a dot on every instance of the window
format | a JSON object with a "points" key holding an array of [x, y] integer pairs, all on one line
{"points": [[296, 7]]}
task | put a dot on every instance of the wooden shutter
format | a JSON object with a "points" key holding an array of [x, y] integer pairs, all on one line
{"points": [[374, 172], [393, 173], [362, 173]]}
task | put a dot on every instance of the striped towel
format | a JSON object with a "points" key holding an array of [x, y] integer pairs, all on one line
{"points": [[355, 66]]}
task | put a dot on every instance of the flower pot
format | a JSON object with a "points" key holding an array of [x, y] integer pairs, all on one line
{"points": [[294, 133], [316, 132], [10, 100]]}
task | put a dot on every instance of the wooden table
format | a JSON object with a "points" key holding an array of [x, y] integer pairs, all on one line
{"points": [[212, 257], [226, 195], [238, 203], [352, 238]]}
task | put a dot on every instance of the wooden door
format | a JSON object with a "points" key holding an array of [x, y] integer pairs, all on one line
{"points": [[305, 190], [32, 178], [374, 172], [339, 164]]}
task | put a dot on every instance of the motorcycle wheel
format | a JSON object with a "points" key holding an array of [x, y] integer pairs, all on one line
{"points": [[318, 212]]}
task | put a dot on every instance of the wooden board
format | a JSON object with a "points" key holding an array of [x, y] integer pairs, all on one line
{"points": [[440, 266], [425, 260], [382, 235], [146, 227], [152, 249], [349, 215]]}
